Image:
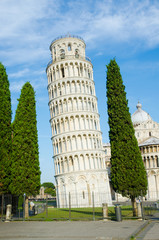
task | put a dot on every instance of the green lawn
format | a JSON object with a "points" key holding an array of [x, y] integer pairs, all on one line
{"points": [[80, 213], [49, 202], [86, 213]]}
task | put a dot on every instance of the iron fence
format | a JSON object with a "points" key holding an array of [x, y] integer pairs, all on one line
{"points": [[47, 209], [5, 200]]}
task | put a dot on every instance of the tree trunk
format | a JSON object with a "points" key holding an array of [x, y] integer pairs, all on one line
{"points": [[26, 208], [133, 202]]}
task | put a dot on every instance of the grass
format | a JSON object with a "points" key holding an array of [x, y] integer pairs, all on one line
{"points": [[49, 202], [86, 213], [81, 213], [63, 213]]}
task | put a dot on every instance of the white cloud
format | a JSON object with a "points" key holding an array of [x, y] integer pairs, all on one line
{"points": [[99, 54], [26, 72], [141, 66], [37, 83], [19, 73], [16, 86], [28, 27], [128, 22], [42, 100]]}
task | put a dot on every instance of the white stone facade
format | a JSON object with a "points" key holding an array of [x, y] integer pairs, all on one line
{"points": [[150, 154], [76, 137]]}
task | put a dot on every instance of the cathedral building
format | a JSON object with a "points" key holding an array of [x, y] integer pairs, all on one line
{"points": [[147, 134], [80, 170]]}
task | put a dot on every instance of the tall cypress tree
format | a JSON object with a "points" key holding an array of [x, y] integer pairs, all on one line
{"points": [[25, 154], [128, 175], [5, 131]]}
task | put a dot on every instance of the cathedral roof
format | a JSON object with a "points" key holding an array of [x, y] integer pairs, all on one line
{"points": [[150, 141], [140, 115]]}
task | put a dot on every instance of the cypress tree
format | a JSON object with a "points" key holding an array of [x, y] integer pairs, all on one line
{"points": [[25, 154], [5, 131], [128, 175]]}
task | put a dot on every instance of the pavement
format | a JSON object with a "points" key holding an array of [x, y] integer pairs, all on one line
{"points": [[80, 230]]}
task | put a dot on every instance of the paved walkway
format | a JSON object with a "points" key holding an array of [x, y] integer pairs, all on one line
{"points": [[97, 230], [151, 231]]}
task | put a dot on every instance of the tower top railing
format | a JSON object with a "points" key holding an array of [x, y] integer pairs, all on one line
{"points": [[66, 36], [68, 57]]}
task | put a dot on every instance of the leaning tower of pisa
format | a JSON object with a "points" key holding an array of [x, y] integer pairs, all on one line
{"points": [[80, 169]]}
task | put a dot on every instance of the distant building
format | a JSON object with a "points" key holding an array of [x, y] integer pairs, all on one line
{"points": [[41, 195], [147, 134], [143, 124]]}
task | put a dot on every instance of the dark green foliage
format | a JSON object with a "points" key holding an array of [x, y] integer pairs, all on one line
{"points": [[48, 185], [5, 131], [25, 155], [20, 202], [128, 175], [50, 191], [49, 188]]}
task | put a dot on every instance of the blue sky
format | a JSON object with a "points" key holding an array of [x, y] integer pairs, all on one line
{"points": [[127, 30]]}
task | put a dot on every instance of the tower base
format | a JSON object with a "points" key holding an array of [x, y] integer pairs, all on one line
{"points": [[83, 189]]}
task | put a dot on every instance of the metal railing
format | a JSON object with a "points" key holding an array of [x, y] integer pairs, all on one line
{"points": [[68, 57], [46, 209], [67, 36]]}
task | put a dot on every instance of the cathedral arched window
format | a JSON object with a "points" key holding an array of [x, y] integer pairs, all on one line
{"points": [[69, 47], [83, 193], [55, 130], [62, 53], [60, 147], [58, 127], [76, 53], [90, 90], [157, 161], [62, 167], [95, 125], [53, 111], [63, 72], [57, 149], [54, 75], [58, 168], [55, 53], [89, 75]]}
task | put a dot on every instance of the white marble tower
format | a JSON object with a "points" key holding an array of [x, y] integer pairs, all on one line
{"points": [[76, 137]]}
